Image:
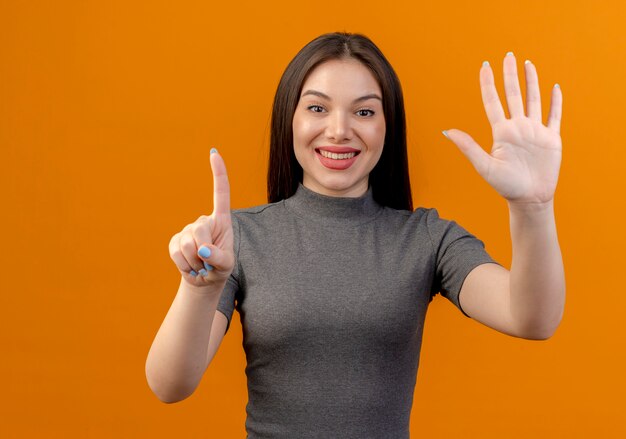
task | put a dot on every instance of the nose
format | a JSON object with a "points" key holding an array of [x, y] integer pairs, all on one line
{"points": [[339, 128]]}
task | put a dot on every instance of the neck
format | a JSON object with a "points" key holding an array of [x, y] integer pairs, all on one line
{"points": [[355, 191], [330, 209]]}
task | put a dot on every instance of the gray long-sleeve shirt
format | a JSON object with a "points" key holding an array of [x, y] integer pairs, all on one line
{"points": [[332, 295]]}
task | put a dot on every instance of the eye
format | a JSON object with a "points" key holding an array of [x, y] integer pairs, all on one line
{"points": [[315, 108], [365, 112]]}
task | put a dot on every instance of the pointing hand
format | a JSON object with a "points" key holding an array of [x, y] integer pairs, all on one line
{"points": [[203, 250]]}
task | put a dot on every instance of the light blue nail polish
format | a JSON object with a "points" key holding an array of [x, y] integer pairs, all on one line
{"points": [[208, 267], [202, 272], [193, 273], [445, 133], [527, 62], [213, 150], [485, 63], [204, 252], [557, 86], [509, 54]]}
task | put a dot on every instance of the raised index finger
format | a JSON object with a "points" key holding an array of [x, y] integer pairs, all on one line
{"points": [[221, 187], [491, 101]]}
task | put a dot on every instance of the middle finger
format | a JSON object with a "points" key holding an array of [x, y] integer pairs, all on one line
{"points": [[189, 249], [202, 231], [511, 87]]}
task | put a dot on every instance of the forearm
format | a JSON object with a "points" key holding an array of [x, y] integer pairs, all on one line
{"points": [[537, 279], [177, 358]]}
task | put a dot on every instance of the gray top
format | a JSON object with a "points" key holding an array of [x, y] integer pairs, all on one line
{"points": [[332, 294]]}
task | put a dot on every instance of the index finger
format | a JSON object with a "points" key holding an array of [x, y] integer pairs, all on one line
{"points": [[221, 187], [491, 100]]}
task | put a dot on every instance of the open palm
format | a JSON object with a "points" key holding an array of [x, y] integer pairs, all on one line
{"points": [[525, 156]]}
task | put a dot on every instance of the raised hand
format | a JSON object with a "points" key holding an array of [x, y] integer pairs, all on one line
{"points": [[188, 248], [525, 157]]}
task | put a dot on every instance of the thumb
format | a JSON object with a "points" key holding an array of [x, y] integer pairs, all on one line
{"points": [[472, 150], [216, 258]]}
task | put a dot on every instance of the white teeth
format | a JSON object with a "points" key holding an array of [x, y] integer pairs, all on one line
{"points": [[335, 156]]}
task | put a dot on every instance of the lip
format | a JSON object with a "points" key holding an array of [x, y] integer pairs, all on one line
{"points": [[337, 149], [337, 165]]}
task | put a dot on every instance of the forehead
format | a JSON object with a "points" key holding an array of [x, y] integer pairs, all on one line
{"points": [[342, 76]]}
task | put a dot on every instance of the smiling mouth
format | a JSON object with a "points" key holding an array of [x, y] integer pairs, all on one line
{"points": [[337, 156]]}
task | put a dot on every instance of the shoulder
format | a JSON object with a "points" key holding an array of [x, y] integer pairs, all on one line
{"points": [[423, 216], [425, 223], [253, 219], [430, 218], [414, 228], [258, 212]]}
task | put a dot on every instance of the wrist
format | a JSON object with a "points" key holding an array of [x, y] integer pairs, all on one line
{"points": [[531, 208], [211, 289]]}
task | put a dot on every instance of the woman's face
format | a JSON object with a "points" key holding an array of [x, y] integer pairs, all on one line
{"points": [[339, 128]]}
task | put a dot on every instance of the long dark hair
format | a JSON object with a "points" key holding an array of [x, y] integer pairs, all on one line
{"points": [[390, 177]]}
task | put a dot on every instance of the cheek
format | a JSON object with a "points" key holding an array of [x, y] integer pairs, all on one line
{"points": [[303, 130], [376, 135]]}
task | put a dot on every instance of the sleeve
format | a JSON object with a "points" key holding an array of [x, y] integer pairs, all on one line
{"points": [[456, 252], [226, 305]]}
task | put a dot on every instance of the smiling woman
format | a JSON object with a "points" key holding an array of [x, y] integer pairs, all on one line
{"points": [[333, 277], [349, 82], [339, 133]]}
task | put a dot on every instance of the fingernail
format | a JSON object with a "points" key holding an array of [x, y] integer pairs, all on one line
{"points": [[485, 63], [204, 252], [202, 272], [208, 267], [193, 273], [509, 54], [445, 133], [557, 86], [213, 150], [527, 62]]}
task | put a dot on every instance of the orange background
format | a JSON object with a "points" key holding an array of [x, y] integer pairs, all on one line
{"points": [[107, 114]]}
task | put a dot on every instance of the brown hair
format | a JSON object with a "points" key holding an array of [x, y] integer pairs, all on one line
{"points": [[390, 177]]}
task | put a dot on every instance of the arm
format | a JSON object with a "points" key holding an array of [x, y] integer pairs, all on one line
{"points": [[192, 329], [537, 276], [528, 301], [185, 343], [523, 167]]}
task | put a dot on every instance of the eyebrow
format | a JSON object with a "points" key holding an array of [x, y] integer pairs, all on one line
{"points": [[325, 96]]}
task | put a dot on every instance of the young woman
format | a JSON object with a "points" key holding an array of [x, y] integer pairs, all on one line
{"points": [[332, 278]]}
